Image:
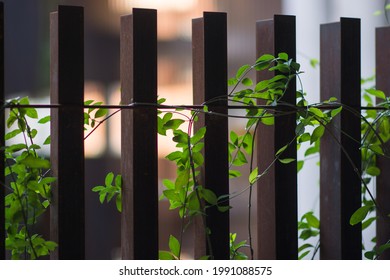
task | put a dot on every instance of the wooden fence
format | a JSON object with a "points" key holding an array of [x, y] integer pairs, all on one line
{"points": [[340, 193]]}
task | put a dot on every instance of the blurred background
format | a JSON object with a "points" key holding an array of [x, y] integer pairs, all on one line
{"points": [[27, 73]]}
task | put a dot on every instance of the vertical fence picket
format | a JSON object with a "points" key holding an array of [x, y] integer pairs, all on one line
{"points": [[2, 133], [67, 131], [210, 82], [382, 182], [138, 62], [277, 190], [340, 162]]}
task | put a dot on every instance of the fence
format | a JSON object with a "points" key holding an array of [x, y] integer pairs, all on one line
{"points": [[340, 193]]}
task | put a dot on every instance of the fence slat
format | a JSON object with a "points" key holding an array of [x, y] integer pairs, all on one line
{"points": [[340, 186], [139, 135], [67, 131], [277, 190], [2, 132], [210, 81], [382, 182]]}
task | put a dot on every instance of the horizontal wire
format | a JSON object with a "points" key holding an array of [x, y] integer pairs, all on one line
{"points": [[184, 107]]}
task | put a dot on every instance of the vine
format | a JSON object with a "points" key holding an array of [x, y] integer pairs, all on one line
{"points": [[29, 184]]}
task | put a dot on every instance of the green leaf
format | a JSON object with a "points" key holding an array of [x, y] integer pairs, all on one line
{"points": [[261, 85], [304, 246], [300, 164], [223, 209], [368, 222], [197, 147], [265, 57], [16, 148], [247, 143], [359, 215], [314, 62], [283, 56], [180, 137], [165, 255], [174, 156], [241, 157], [118, 181], [44, 120], [234, 138], [46, 203], [198, 158], [373, 171], [317, 133], [168, 184], [247, 82], [182, 179], [12, 134], [306, 234], [335, 112], [376, 149], [242, 70], [101, 113], [109, 178], [209, 196], [32, 113], [317, 112], [232, 82], [383, 248], [312, 220], [173, 124], [378, 93], [370, 255], [161, 101], [118, 202], [286, 160], [47, 141], [174, 246], [88, 102], [303, 255], [311, 151], [253, 176], [281, 150], [268, 119], [35, 162], [199, 135], [234, 173]]}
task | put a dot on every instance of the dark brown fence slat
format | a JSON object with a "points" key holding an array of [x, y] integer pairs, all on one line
{"points": [[277, 190], [210, 81], [139, 135], [340, 194], [67, 131], [2, 132], [383, 180]]}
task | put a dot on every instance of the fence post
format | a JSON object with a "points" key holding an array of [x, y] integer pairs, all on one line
{"points": [[2, 133], [382, 182], [67, 131], [210, 81], [340, 162], [139, 135], [277, 190]]}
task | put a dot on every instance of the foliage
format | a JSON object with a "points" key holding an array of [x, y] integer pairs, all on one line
{"points": [[28, 186], [109, 191]]}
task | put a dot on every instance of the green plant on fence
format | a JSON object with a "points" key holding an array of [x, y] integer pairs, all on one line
{"points": [[27, 184], [192, 199], [28, 181]]}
